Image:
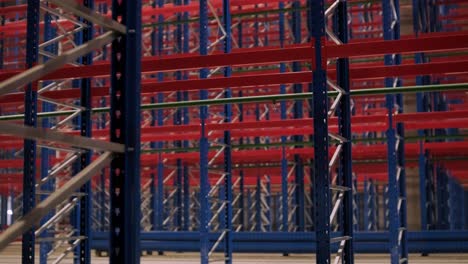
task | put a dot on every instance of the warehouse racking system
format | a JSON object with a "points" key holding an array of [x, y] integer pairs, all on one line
{"points": [[233, 126]]}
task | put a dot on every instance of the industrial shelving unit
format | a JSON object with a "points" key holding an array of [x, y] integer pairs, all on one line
{"points": [[232, 126]]}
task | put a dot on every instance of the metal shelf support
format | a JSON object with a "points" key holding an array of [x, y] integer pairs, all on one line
{"points": [[125, 129], [321, 179]]}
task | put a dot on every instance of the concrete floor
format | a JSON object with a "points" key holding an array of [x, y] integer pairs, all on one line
{"points": [[12, 255]]}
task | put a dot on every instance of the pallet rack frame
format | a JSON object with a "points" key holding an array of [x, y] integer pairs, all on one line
{"points": [[128, 186]]}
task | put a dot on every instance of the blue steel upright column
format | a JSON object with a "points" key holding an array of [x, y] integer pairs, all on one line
{"points": [[283, 110], [395, 142], [178, 48], [227, 141], [85, 158], [30, 119], [186, 118], [125, 129], [46, 246], [345, 176], [160, 168], [321, 176], [298, 114], [204, 205]]}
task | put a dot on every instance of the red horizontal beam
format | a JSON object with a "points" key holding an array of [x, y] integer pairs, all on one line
{"points": [[303, 126], [270, 55], [360, 152]]}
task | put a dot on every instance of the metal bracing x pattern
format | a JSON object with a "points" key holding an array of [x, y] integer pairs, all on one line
{"points": [[342, 183], [224, 184], [31, 213]]}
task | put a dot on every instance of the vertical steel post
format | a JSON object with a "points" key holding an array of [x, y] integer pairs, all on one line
{"points": [[283, 113], [401, 155], [125, 129], [3, 211], [454, 211], [372, 205], [430, 190], [258, 206], [242, 200], [75, 214], [186, 224], [243, 209], [30, 119], [442, 199], [298, 113], [227, 139], [256, 40], [422, 184], [460, 206], [186, 118], [45, 247], [377, 206], [345, 174], [154, 201], [395, 147], [177, 205], [204, 187], [178, 48], [160, 117], [84, 256], [452, 204], [320, 99], [155, 50]]}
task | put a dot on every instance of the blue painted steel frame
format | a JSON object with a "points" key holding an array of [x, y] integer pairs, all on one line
{"points": [[30, 119], [204, 185], [3, 211], [442, 199], [160, 118], [125, 129], [186, 119], [298, 113], [153, 145], [84, 254], [321, 174], [178, 181], [456, 212], [345, 176], [427, 191], [45, 247], [283, 109], [298, 242], [227, 140], [395, 134], [425, 175]]}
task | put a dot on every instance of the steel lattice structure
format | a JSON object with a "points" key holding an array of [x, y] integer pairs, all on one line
{"points": [[232, 126]]}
